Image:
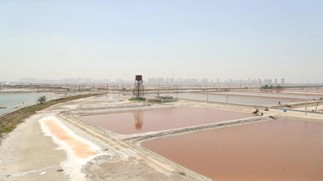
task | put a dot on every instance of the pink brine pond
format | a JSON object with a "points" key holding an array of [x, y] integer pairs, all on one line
{"points": [[288, 150], [160, 119]]}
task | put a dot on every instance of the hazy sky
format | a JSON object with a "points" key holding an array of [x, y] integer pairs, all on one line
{"points": [[162, 38]]}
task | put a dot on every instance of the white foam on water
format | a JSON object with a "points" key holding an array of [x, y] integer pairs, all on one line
{"points": [[73, 164]]}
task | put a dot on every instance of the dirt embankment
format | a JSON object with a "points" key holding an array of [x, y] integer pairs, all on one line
{"points": [[9, 121]]}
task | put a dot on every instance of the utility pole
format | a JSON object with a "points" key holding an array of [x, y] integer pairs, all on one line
{"points": [[158, 90], [207, 96], [317, 105], [306, 105]]}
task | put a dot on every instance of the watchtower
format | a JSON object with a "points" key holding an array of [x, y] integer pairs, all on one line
{"points": [[138, 91]]}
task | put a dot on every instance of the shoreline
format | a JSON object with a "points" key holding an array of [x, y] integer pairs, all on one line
{"points": [[9, 121]]}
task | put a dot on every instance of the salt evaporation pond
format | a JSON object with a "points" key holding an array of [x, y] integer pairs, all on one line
{"points": [[283, 149], [160, 119], [236, 99], [298, 97]]}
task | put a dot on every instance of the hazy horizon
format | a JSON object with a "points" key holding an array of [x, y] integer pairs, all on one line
{"points": [[171, 38]]}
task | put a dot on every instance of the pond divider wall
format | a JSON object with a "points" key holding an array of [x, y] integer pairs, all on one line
{"points": [[152, 135]]}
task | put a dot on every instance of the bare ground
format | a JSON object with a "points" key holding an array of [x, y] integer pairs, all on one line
{"points": [[26, 154]]}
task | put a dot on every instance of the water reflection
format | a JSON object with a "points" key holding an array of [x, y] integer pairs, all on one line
{"points": [[138, 117], [160, 119]]}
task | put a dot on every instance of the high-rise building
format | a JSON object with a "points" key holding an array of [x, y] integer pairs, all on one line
{"points": [[282, 81], [268, 81]]}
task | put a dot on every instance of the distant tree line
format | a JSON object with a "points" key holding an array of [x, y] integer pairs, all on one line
{"points": [[271, 87]]}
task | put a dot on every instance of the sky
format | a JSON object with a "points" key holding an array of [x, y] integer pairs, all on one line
{"points": [[116, 39]]}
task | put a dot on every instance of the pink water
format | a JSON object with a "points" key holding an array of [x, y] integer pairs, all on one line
{"points": [[160, 119], [278, 150]]}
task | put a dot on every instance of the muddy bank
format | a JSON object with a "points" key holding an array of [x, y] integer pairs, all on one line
{"points": [[127, 161]]}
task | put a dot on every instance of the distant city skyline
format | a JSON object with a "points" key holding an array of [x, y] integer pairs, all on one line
{"points": [[165, 80], [213, 39], [273, 81]]}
